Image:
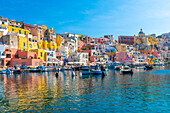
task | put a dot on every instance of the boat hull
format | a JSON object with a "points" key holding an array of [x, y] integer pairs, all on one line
{"points": [[85, 72], [97, 72]]}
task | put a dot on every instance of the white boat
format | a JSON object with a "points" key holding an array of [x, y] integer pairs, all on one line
{"points": [[126, 70], [113, 64], [118, 67]]}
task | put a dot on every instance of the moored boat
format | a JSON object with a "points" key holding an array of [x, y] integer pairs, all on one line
{"points": [[126, 70], [97, 72], [85, 70], [148, 67], [117, 67], [17, 71]]}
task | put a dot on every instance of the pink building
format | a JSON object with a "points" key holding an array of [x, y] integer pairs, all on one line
{"points": [[102, 40], [26, 54], [23, 58], [25, 62], [123, 58], [80, 44], [10, 53], [156, 54]]}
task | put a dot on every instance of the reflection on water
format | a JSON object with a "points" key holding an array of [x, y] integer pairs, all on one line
{"points": [[145, 91]]}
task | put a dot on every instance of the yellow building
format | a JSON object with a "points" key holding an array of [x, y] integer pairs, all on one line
{"points": [[121, 47], [40, 53], [80, 37], [22, 39], [32, 42]]}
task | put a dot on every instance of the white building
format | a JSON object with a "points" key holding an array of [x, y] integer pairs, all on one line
{"points": [[81, 57], [4, 30], [166, 35], [3, 21], [111, 37]]}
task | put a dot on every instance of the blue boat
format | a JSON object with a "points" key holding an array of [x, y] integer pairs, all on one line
{"points": [[85, 70], [2, 71], [97, 72]]}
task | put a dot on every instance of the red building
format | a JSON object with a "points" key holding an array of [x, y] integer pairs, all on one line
{"points": [[126, 40], [88, 39]]}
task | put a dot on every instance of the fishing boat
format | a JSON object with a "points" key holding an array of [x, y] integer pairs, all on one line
{"points": [[43, 69], [148, 67], [112, 65], [34, 69], [85, 70], [126, 70], [117, 67], [2, 70], [97, 72], [17, 70]]}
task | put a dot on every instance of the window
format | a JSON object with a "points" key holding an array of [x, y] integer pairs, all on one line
{"points": [[25, 33], [2, 22], [24, 44], [17, 23], [36, 64], [12, 29], [30, 46], [121, 55], [19, 31], [11, 42], [23, 63], [41, 54]]}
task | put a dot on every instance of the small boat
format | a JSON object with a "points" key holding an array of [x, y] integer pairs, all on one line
{"points": [[97, 72], [2, 71], [126, 70], [148, 67], [85, 70], [34, 69], [43, 69], [67, 68], [117, 67], [76, 68], [17, 71]]}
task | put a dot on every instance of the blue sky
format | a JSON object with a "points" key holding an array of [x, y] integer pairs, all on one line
{"points": [[94, 18]]}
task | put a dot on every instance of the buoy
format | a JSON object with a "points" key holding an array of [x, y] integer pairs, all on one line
{"points": [[76, 74]]}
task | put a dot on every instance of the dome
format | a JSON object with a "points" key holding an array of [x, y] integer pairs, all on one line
{"points": [[141, 32]]}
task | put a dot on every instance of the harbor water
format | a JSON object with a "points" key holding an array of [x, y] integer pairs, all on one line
{"points": [[144, 91]]}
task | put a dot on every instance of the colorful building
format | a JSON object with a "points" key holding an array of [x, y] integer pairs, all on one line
{"points": [[126, 40]]}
